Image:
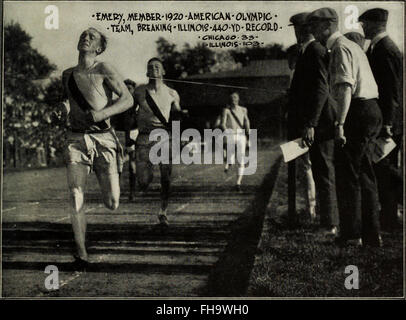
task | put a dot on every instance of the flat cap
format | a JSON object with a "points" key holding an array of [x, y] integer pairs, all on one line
{"points": [[376, 14], [356, 37], [298, 19], [322, 14]]}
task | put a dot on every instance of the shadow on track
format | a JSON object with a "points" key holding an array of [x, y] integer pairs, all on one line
{"points": [[230, 275]]}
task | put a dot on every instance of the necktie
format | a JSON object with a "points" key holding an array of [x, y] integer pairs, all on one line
{"points": [[328, 57], [369, 51]]}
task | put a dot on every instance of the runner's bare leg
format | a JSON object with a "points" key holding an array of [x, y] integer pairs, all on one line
{"points": [[110, 188], [132, 177], [240, 152], [166, 171], [240, 175], [144, 173], [77, 176]]}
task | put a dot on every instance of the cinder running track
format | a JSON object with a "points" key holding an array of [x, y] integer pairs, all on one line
{"points": [[130, 255]]}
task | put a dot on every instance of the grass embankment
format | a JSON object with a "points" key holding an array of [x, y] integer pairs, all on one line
{"points": [[302, 262]]}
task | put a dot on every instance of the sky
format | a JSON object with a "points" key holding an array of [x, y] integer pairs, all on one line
{"points": [[130, 52]]}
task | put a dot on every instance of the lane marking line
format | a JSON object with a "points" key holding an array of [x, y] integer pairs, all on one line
{"points": [[61, 219], [229, 178], [76, 275], [86, 211], [181, 207], [13, 208]]}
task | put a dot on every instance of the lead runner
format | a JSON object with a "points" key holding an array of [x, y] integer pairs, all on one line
{"points": [[91, 141]]}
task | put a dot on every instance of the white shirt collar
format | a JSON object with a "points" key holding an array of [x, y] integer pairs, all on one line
{"points": [[304, 45], [377, 38], [332, 39]]}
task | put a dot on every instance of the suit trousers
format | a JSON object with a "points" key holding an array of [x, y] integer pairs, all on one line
{"points": [[390, 184], [322, 158], [357, 192]]}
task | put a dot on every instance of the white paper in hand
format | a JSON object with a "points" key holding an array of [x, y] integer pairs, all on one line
{"points": [[382, 148], [293, 149]]}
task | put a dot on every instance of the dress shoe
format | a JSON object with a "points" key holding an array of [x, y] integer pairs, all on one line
{"points": [[354, 242], [349, 242], [375, 242], [333, 232]]}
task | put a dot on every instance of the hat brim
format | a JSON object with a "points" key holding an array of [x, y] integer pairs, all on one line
{"points": [[319, 19], [298, 24], [360, 19]]}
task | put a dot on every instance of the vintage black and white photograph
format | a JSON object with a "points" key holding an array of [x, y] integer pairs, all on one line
{"points": [[202, 149]]}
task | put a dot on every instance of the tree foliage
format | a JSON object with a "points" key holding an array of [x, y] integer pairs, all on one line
{"points": [[171, 58], [200, 59], [269, 52], [191, 60], [29, 93]]}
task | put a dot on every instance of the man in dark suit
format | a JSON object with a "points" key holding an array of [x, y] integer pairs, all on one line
{"points": [[315, 118], [385, 60]]}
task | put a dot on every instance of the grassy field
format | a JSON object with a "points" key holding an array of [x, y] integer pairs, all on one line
{"points": [[302, 262]]}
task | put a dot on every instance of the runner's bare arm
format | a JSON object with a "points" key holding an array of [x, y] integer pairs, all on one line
{"points": [[246, 123], [217, 123], [116, 84], [59, 115], [65, 77], [223, 119], [176, 111], [176, 101]]}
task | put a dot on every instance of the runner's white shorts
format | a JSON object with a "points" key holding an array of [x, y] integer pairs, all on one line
{"points": [[236, 145]]}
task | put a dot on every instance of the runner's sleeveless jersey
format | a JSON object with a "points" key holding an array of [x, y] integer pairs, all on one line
{"points": [[147, 121], [94, 93]]}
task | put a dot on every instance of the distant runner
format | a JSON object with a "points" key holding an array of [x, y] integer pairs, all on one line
{"points": [[235, 117]]}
